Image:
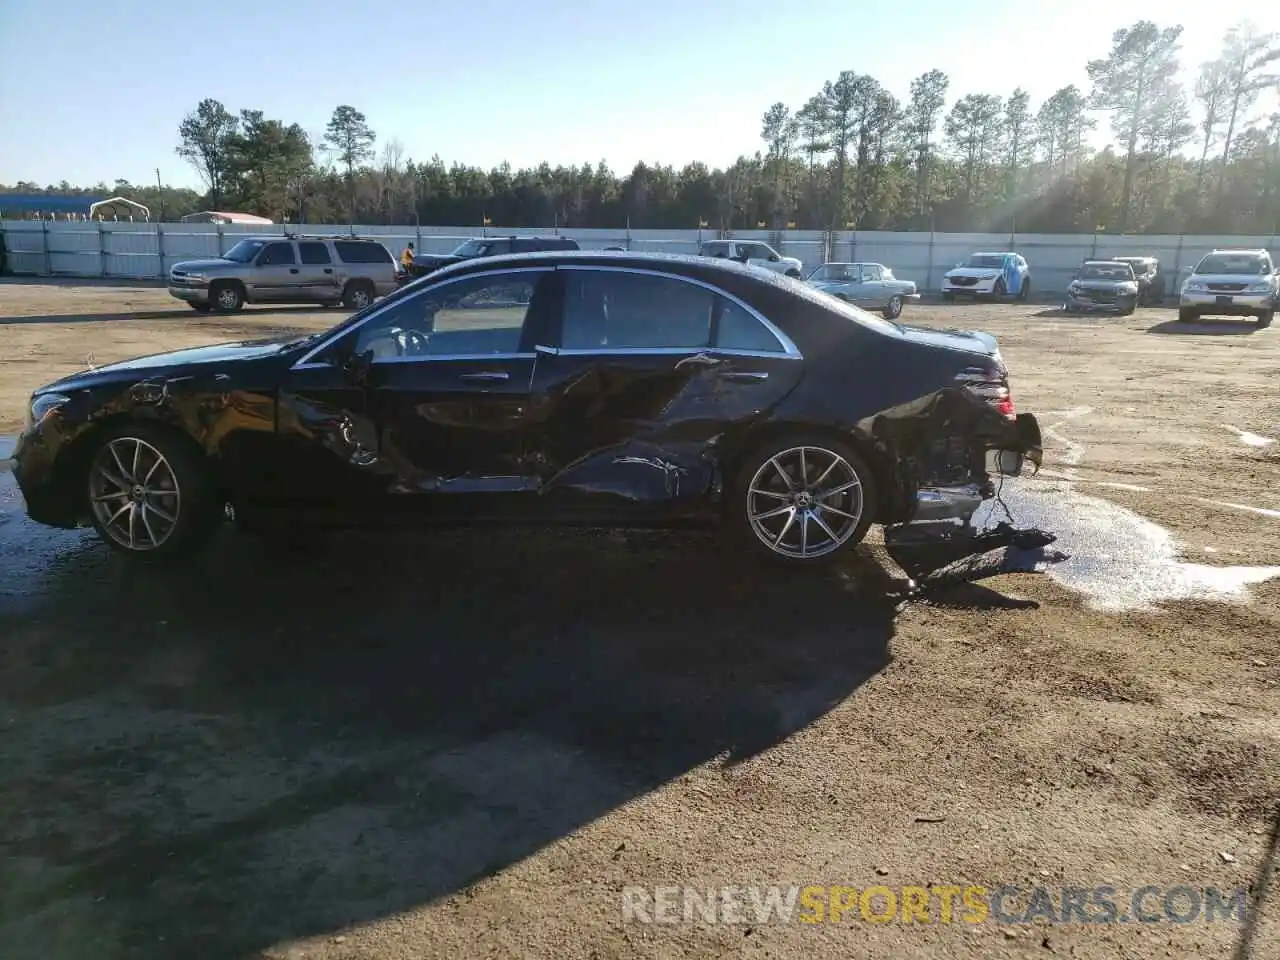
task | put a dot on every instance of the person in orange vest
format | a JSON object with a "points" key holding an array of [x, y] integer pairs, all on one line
{"points": [[406, 258]]}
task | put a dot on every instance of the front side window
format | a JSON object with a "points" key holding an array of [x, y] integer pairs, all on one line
{"points": [[474, 316], [611, 310], [835, 273], [871, 271], [278, 255]]}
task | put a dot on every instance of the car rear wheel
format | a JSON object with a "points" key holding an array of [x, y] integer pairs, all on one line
{"points": [[150, 494], [801, 500], [893, 309], [1024, 291], [227, 296], [357, 295]]}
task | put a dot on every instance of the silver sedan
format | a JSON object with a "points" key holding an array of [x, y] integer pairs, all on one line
{"points": [[871, 286]]}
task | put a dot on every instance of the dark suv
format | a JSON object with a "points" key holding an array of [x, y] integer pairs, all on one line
{"points": [[485, 247]]}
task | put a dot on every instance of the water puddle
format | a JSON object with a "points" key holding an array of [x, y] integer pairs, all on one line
{"points": [[1251, 439], [1117, 559]]}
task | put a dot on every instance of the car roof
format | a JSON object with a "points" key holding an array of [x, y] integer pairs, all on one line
{"points": [[1129, 259], [1101, 261], [992, 253], [680, 262], [1240, 251]]}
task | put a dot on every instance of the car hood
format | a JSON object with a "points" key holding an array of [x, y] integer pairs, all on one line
{"points": [[1248, 280], [982, 273], [195, 266], [970, 341], [436, 259], [1104, 284], [174, 361]]}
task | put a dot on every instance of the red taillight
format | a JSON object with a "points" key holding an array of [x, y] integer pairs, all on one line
{"points": [[991, 385]]}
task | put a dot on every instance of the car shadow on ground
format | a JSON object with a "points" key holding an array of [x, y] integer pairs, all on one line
{"points": [[1207, 328], [177, 314], [266, 744]]}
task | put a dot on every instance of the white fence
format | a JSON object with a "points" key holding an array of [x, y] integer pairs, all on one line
{"points": [[147, 250]]}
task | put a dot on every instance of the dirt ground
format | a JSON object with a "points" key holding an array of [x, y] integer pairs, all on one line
{"points": [[468, 746]]}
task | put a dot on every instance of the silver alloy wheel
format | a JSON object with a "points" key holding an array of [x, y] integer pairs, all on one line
{"points": [[228, 298], [804, 502], [360, 298], [134, 494], [893, 308]]}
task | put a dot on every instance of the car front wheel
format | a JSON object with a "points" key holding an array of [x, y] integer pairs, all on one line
{"points": [[1264, 318], [150, 494], [1187, 316], [801, 500], [893, 309]]}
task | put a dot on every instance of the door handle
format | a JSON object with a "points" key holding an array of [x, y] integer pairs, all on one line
{"points": [[699, 360], [328, 269], [293, 269], [485, 376], [744, 375]]}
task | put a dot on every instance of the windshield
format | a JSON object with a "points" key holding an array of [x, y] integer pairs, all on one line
{"points": [[987, 260], [835, 273], [244, 251], [472, 248], [1244, 264], [1106, 271]]}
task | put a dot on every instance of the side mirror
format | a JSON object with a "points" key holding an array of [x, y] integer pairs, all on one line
{"points": [[356, 367], [774, 258]]}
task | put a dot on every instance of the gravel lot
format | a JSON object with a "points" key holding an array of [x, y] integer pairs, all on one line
{"points": [[469, 745]]}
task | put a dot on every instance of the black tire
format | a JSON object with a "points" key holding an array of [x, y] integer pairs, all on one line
{"points": [[758, 462], [948, 297], [999, 290], [1130, 306], [201, 307], [1264, 318], [1186, 315], [1024, 291], [192, 503], [357, 294], [893, 309], [226, 296]]}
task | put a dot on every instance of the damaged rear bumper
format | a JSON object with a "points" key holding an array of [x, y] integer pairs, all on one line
{"points": [[939, 531]]}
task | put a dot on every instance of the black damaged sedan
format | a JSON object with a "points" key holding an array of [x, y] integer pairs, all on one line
{"points": [[591, 388]]}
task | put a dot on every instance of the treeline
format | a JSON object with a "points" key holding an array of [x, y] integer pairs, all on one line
{"points": [[854, 156]]}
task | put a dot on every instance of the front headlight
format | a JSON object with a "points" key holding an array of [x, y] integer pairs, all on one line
{"points": [[1260, 288], [42, 405], [1194, 286], [1073, 287]]}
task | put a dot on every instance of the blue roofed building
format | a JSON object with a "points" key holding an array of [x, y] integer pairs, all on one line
{"points": [[21, 206]]}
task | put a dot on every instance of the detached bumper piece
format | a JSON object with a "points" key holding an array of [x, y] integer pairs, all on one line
{"points": [[925, 550]]}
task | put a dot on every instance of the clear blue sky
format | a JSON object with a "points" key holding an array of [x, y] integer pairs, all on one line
{"points": [[94, 89]]}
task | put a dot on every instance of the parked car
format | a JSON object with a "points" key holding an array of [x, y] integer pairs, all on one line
{"points": [[353, 271], [1231, 283], [994, 275], [871, 286], [426, 263], [584, 388], [752, 252], [1146, 271], [1103, 285]]}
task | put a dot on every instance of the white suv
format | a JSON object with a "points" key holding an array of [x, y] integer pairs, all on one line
{"points": [[753, 252], [1231, 283]]}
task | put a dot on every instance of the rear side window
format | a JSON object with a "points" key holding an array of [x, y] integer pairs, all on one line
{"points": [[277, 255], [739, 330], [610, 310], [314, 252], [715, 249], [356, 251]]}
